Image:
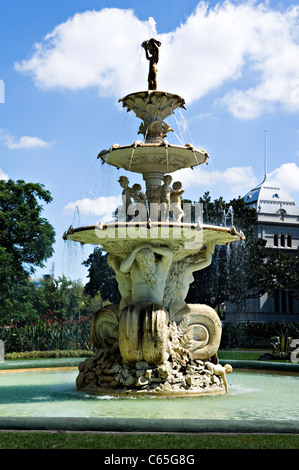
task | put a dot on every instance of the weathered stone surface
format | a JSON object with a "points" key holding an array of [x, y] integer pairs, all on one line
{"points": [[172, 377], [129, 381]]}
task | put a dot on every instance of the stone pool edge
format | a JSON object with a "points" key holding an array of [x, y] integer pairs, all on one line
{"points": [[132, 425], [74, 362]]}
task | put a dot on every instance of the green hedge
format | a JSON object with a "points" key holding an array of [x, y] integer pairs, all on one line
{"points": [[255, 335], [47, 336], [75, 335], [48, 354]]}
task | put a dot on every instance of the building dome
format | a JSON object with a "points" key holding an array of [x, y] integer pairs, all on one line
{"points": [[268, 198]]}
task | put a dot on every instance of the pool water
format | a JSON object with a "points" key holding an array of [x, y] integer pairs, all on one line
{"points": [[53, 393]]}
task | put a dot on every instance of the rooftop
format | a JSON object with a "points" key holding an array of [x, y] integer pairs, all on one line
{"points": [[268, 198]]}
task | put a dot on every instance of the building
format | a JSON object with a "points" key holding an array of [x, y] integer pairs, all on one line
{"points": [[277, 224]]}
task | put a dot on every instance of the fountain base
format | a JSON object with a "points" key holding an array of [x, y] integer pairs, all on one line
{"points": [[100, 375]]}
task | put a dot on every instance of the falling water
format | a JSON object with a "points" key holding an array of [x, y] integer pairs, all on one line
{"points": [[179, 139], [179, 128], [185, 124], [131, 159], [145, 134], [166, 148], [195, 157], [76, 214]]}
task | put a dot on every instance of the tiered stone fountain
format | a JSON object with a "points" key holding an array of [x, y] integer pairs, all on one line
{"points": [[153, 342]]}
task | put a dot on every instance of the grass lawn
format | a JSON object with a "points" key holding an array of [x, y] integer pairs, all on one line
{"points": [[69, 440], [240, 354]]}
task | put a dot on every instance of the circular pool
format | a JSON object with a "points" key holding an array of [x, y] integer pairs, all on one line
{"points": [[48, 398]]}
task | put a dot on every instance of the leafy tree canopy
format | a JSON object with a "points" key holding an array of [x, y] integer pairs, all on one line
{"points": [[101, 277], [26, 238]]}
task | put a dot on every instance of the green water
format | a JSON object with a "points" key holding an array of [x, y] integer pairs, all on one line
{"points": [[52, 393]]}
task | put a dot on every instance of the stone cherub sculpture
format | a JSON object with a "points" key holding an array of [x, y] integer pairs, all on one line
{"points": [[126, 196], [217, 369], [152, 54], [161, 197], [175, 198], [140, 200]]}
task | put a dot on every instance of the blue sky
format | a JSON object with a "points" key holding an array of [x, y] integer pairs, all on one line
{"points": [[64, 65]]}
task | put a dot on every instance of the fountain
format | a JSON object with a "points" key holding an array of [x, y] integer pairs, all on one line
{"points": [[153, 343]]}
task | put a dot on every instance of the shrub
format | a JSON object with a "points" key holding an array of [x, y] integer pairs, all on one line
{"points": [[47, 336], [255, 335], [48, 354]]}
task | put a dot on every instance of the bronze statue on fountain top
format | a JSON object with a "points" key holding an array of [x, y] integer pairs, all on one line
{"points": [[152, 54]]}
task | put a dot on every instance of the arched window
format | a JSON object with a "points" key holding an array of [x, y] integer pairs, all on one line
{"points": [[289, 241], [275, 239], [282, 240]]}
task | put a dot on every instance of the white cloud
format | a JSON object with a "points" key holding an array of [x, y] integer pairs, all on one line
{"points": [[231, 181], [102, 207], [24, 142], [286, 177], [214, 46], [3, 176], [94, 48]]}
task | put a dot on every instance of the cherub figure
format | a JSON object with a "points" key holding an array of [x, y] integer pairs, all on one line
{"points": [[137, 194], [140, 201], [217, 369], [161, 196], [175, 198], [126, 195], [152, 54]]}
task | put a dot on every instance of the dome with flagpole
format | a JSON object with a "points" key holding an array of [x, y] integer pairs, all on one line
{"points": [[269, 198]]}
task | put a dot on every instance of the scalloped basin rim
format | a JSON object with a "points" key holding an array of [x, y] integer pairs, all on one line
{"points": [[176, 234], [149, 224], [148, 93], [163, 157]]}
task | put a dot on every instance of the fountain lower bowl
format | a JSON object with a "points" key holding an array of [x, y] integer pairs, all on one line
{"points": [[257, 401]]}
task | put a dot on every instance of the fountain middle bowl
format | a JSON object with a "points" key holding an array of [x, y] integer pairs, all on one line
{"points": [[160, 157], [183, 238]]}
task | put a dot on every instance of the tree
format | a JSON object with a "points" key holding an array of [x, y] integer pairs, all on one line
{"points": [[26, 240], [242, 269], [214, 285], [101, 277], [62, 298], [26, 237]]}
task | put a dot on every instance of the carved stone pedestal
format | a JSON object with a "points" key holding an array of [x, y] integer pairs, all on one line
{"points": [[143, 352]]}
